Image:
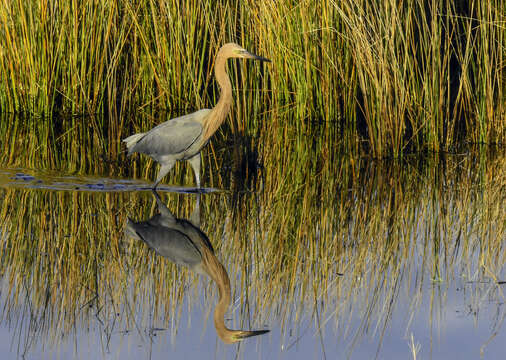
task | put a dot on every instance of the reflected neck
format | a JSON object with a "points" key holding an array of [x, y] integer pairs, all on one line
{"points": [[218, 273]]}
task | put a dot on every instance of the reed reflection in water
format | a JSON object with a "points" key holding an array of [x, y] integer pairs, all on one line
{"points": [[384, 258]]}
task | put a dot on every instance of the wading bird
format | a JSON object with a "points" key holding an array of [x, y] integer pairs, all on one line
{"points": [[182, 138], [182, 242]]}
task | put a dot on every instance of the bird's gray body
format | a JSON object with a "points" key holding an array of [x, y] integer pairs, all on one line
{"points": [[174, 140], [178, 240]]}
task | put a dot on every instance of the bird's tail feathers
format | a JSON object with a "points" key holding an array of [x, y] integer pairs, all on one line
{"points": [[131, 141]]}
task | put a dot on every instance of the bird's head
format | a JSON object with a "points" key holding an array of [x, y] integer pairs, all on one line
{"points": [[232, 50]]}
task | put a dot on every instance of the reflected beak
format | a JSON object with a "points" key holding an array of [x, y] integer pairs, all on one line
{"points": [[246, 334]]}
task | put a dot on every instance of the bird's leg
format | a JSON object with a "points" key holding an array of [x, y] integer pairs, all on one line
{"points": [[157, 196], [164, 169], [164, 210], [195, 216], [195, 163]]}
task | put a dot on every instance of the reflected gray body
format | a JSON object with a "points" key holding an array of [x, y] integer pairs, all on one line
{"points": [[178, 240], [183, 138]]}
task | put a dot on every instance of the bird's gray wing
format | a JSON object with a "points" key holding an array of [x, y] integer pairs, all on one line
{"points": [[199, 238], [173, 136], [169, 243]]}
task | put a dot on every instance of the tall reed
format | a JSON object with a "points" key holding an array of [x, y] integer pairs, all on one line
{"points": [[381, 77]]}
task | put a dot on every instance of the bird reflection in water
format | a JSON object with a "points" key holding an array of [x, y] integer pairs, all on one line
{"points": [[182, 242]]}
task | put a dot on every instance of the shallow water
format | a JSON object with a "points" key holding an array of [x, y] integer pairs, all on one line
{"points": [[409, 259]]}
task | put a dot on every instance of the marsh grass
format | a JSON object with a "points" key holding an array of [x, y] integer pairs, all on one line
{"points": [[384, 77], [360, 242]]}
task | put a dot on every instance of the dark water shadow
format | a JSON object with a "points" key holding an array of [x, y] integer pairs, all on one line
{"points": [[31, 179]]}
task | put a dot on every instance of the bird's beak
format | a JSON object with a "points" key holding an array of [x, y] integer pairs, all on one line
{"points": [[249, 55]]}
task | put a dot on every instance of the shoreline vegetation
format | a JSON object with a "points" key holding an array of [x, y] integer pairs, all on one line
{"points": [[382, 78]]}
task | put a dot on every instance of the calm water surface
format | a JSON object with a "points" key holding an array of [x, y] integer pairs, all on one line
{"points": [[407, 260]]}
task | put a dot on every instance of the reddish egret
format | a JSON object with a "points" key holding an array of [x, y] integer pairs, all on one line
{"points": [[183, 138]]}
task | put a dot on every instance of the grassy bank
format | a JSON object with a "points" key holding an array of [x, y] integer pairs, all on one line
{"points": [[382, 77]]}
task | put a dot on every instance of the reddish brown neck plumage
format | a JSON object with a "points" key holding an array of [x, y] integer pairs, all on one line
{"points": [[220, 111]]}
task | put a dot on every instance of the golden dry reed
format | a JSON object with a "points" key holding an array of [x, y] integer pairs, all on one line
{"points": [[385, 77]]}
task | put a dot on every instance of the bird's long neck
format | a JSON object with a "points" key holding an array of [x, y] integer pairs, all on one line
{"points": [[220, 111]]}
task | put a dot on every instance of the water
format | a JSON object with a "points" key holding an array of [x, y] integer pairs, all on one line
{"points": [[407, 259]]}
